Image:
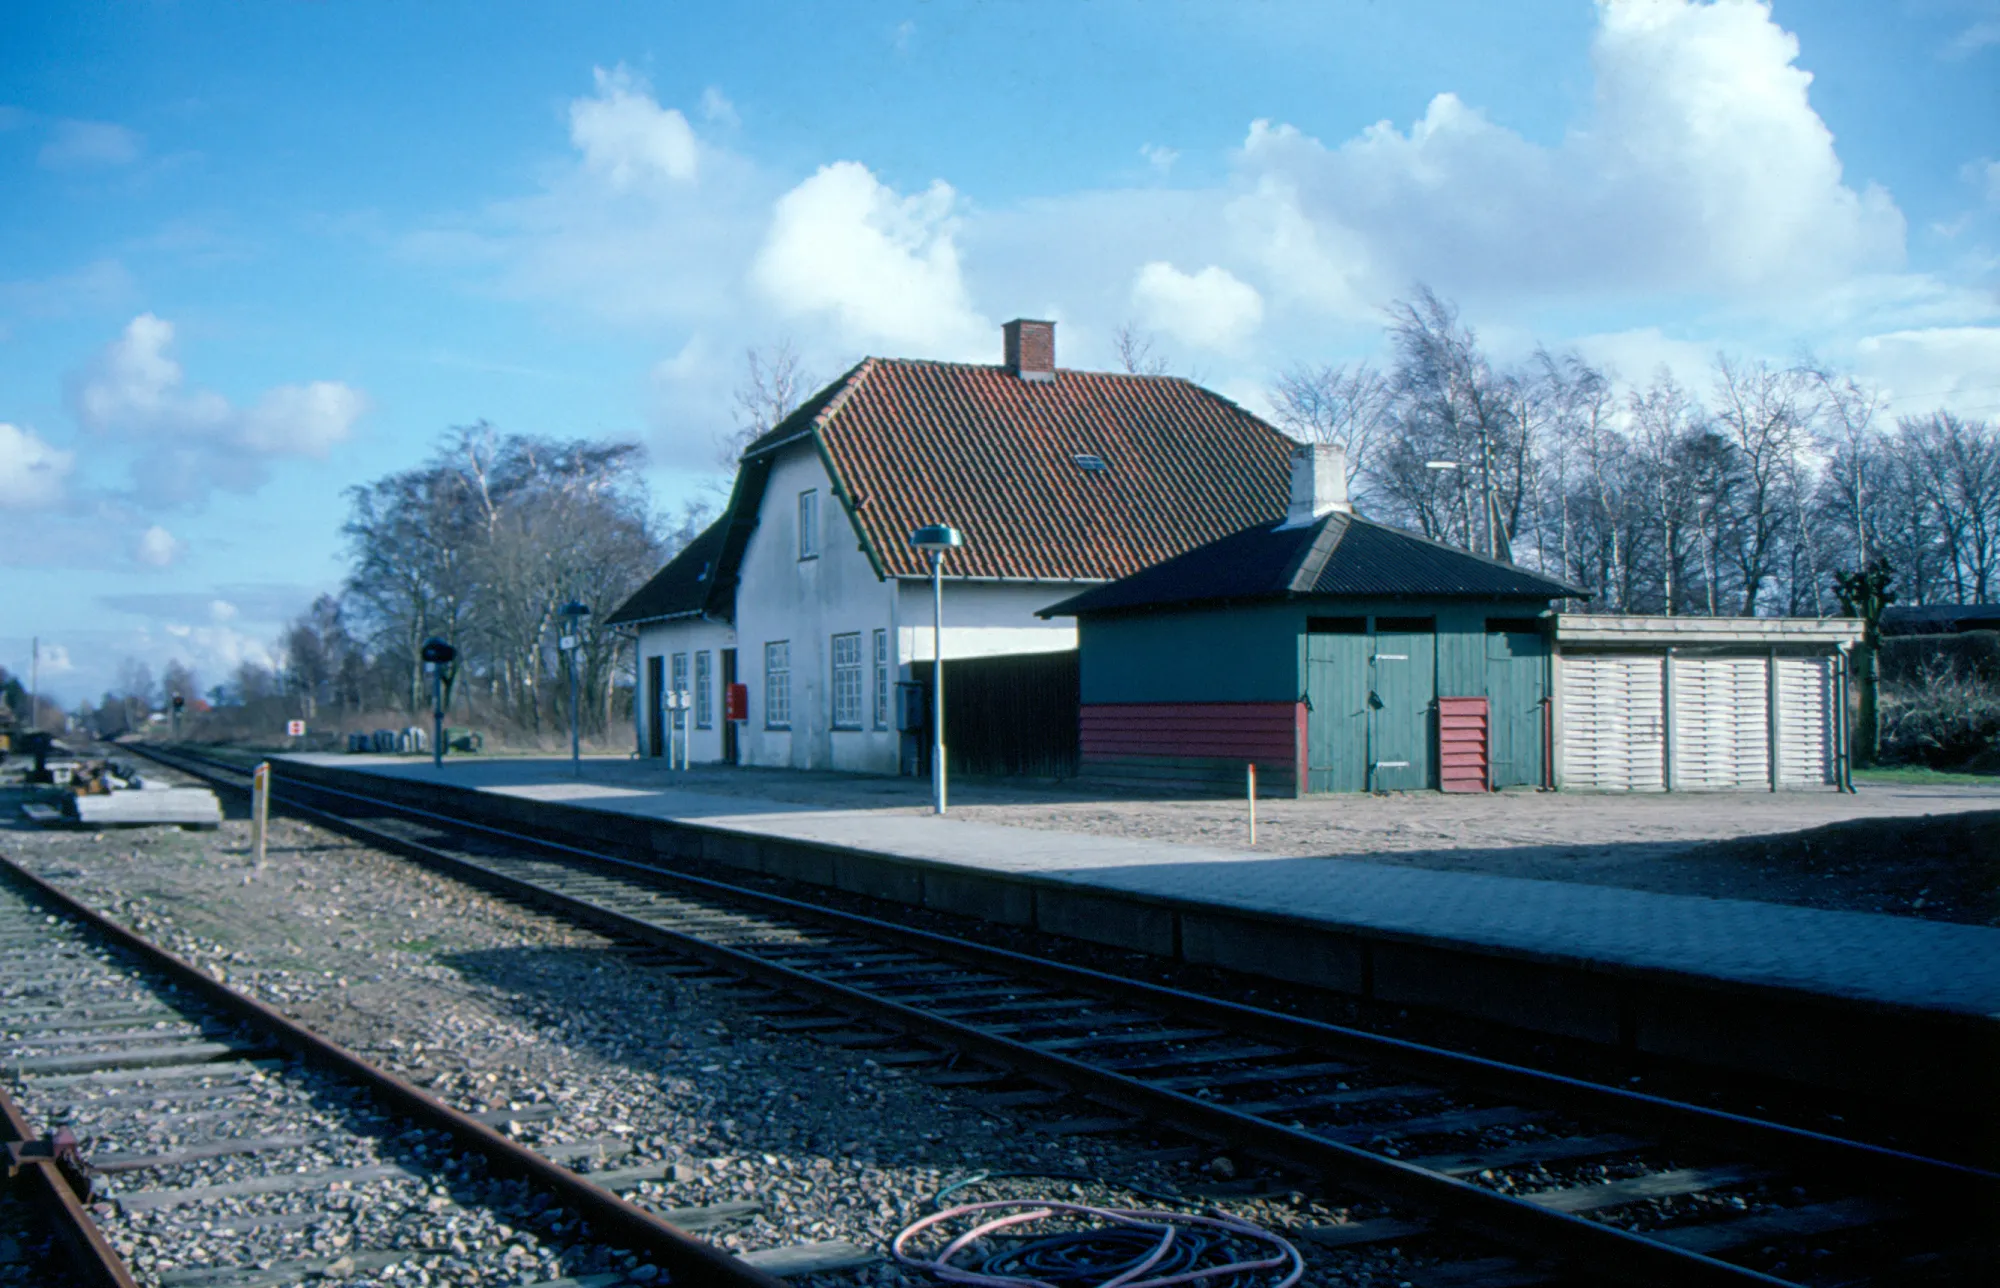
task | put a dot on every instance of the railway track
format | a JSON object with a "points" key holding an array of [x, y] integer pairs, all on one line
{"points": [[208, 1142], [1569, 1178]]}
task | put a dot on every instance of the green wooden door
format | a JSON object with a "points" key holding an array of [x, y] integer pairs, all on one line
{"points": [[1516, 680], [1403, 676], [1337, 690]]}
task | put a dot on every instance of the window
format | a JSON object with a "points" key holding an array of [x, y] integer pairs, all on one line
{"points": [[1405, 625], [704, 698], [881, 679], [1090, 462], [778, 685], [1513, 626], [847, 681], [1336, 626], [809, 524], [680, 684]]}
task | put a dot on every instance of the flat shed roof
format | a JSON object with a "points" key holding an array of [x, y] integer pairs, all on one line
{"points": [[1674, 632]]}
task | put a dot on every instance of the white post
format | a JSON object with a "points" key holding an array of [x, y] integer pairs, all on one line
{"points": [[937, 682], [34, 683], [1252, 776]]}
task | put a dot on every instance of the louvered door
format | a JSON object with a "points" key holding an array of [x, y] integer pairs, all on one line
{"points": [[1613, 732], [1722, 730], [1805, 722]]}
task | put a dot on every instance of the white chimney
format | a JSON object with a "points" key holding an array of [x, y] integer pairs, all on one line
{"points": [[1319, 483]]}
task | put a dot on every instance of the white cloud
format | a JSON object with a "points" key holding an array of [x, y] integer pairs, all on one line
{"points": [[1160, 157], [157, 547], [221, 610], [1703, 168], [1985, 173], [75, 144], [627, 137], [715, 106], [54, 659], [305, 420], [1211, 309], [32, 473], [884, 267], [1923, 369], [193, 439]]}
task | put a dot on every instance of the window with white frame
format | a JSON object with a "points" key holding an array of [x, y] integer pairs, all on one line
{"points": [[680, 673], [704, 683], [881, 679], [847, 681], [778, 684], [809, 524]]}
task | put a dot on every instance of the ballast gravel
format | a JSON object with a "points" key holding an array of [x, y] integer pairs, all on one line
{"points": [[605, 1061]]}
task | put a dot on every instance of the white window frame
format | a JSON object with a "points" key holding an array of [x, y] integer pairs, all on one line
{"points": [[704, 686], [882, 684], [809, 524], [846, 687], [778, 684]]}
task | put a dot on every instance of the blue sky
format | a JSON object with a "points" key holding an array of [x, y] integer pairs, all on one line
{"points": [[251, 255]]}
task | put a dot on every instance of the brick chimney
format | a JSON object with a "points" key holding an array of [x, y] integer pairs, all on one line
{"points": [[1030, 349], [1319, 483]]}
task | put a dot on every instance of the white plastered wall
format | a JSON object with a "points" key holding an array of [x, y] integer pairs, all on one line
{"points": [[690, 636], [806, 602]]}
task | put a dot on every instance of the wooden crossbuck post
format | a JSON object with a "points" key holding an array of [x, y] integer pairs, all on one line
{"points": [[1252, 777], [260, 807]]}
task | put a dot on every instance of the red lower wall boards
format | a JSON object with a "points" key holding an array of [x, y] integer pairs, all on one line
{"points": [[1462, 745], [1193, 744]]}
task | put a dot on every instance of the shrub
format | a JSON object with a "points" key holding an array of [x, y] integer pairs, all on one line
{"points": [[1944, 716]]}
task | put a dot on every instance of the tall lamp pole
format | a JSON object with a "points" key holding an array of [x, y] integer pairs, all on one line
{"points": [[934, 539], [573, 614]]}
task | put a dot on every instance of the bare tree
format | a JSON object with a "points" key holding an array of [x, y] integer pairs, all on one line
{"points": [[1135, 352], [1335, 404], [1957, 468], [1763, 411], [1453, 406], [1666, 427], [774, 383]]}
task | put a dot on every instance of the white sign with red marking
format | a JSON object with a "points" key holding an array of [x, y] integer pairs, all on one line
{"points": [[295, 728]]}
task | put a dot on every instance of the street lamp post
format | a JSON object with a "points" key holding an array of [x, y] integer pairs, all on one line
{"points": [[573, 614], [934, 539]]}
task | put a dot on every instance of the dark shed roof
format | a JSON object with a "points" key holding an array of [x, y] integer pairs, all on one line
{"points": [[681, 588], [1340, 554], [1939, 619]]}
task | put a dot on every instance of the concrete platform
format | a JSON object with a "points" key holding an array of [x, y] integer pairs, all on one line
{"points": [[1891, 1006]]}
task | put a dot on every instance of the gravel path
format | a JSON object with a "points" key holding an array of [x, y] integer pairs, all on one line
{"points": [[500, 1009]]}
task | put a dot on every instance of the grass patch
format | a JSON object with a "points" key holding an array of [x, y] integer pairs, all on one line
{"points": [[1924, 775]]}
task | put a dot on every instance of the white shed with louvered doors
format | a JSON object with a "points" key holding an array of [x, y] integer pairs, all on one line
{"points": [[1701, 704], [1614, 734]]}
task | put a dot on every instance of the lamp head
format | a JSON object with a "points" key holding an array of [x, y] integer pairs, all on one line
{"points": [[573, 610], [937, 537]]}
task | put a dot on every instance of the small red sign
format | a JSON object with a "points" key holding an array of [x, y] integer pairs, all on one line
{"points": [[295, 728], [736, 702]]}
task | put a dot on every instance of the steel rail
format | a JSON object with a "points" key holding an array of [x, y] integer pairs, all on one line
{"points": [[612, 1217], [1502, 1217], [91, 1256], [1511, 1221]]}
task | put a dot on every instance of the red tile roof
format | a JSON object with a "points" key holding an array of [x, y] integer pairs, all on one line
{"points": [[911, 443]]}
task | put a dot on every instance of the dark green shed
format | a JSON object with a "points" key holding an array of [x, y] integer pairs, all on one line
{"points": [[1335, 653]]}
